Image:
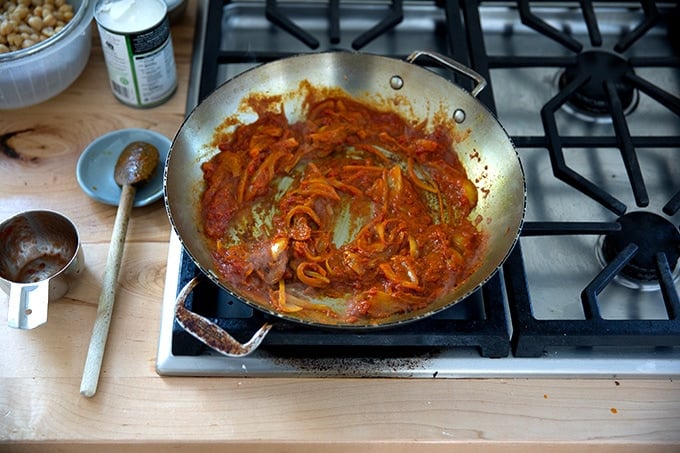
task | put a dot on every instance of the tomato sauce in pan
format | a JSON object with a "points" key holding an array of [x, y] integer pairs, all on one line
{"points": [[350, 214]]}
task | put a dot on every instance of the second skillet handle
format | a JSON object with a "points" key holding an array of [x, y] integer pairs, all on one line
{"points": [[209, 333], [480, 81]]}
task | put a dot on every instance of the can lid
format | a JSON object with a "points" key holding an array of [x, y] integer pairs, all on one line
{"points": [[130, 16]]}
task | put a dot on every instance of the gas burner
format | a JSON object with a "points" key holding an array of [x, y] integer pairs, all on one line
{"points": [[652, 234], [590, 100]]}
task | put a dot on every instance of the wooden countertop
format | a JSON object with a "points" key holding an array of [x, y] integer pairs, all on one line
{"points": [[40, 370]]}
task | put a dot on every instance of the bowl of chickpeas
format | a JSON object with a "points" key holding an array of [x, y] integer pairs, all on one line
{"points": [[44, 47]]}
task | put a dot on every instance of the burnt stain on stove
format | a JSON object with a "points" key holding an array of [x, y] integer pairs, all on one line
{"points": [[8, 150], [352, 366]]}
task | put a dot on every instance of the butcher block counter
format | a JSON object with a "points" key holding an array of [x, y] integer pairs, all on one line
{"points": [[135, 409]]}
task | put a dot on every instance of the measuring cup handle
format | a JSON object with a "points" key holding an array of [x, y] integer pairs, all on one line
{"points": [[28, 304]]}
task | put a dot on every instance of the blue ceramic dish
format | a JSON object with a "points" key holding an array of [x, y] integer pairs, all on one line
{"points": [[95, 166]]}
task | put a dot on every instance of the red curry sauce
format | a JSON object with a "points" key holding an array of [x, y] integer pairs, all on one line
{"points": [[350, 214]]}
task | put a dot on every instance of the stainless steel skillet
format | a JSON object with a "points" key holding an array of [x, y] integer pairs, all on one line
{"points": [[484, 149]]}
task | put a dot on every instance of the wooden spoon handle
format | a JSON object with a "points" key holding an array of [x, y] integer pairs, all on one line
{"points": [[100, 331]]}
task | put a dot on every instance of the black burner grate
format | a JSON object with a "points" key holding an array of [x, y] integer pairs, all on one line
{"points": [[278, 17], [532, 337]]}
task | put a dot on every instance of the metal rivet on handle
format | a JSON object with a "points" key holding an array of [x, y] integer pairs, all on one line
{"points": [[396, 82], [459, 116]]}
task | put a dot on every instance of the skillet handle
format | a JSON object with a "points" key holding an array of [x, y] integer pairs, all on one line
{"points": [[209, 333], [480, 82]]}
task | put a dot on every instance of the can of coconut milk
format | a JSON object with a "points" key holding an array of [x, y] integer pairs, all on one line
{"points": [[135, 38]]}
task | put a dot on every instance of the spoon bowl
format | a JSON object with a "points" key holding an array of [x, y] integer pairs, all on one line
{"points": [[136, 164]]}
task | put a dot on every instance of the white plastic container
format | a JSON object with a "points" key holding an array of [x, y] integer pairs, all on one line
{"points": [[40, 72]]}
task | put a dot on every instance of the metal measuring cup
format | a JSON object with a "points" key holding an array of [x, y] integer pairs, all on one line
{"points": [[40, 255]]}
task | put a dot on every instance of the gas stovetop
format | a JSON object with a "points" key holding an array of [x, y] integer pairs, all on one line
{"points": [[588, 93]]}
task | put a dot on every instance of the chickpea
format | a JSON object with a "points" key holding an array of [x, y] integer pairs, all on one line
{"points": [[35, 22], [24, 28], [20, 13], [24, 23], [14, 40], [49, 21], [7, 27]]}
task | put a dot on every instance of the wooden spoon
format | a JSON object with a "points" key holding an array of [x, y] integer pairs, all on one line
{"points": [[136, 165]]}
